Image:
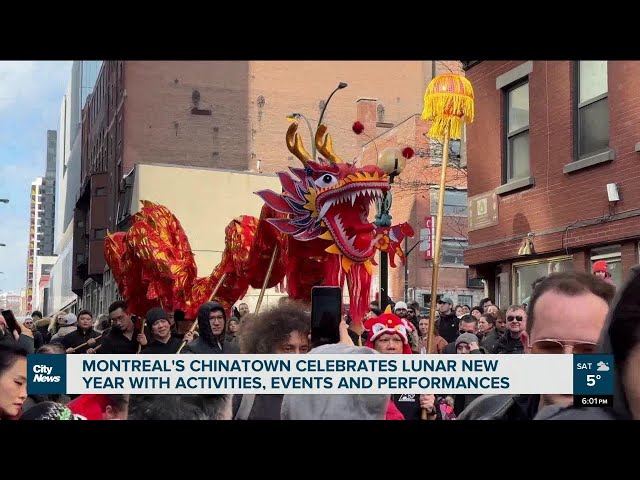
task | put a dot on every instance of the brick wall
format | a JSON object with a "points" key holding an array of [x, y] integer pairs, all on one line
{"points": [[557, 199]]}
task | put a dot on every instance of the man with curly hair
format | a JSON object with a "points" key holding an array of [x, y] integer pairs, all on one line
{"points": [[282, 329]]}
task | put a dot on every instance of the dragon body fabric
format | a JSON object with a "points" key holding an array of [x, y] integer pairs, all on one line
{"points": [[316, 231]]}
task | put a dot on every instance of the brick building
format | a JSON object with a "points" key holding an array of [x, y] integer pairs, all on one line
{"points": [[547, 140], [224, 115]]}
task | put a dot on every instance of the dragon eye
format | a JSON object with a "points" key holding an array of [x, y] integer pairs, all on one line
{"points": [[325, 181]]}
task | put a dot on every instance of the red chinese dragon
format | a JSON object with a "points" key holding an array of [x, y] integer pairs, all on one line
{"points": [[316, 231]]}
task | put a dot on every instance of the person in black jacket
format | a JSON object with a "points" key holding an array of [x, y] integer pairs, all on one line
{"points": [[122, 338], [511, 341], [30, 323], [212, 326], [82, 335], [163, 340], [448, 323]]}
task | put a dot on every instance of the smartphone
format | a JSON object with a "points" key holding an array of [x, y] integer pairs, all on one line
{"points": [[326, 312]]}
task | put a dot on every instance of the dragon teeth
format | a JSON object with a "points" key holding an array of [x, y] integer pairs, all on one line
{"points": [[325, 208]]}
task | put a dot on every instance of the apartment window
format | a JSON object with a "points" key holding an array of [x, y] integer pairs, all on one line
{"points": [[455, 203], [101, 191], [452, 251], [517, 129], [592, 108]]}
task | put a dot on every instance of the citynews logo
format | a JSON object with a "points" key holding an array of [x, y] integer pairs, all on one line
{"points": [[43, 374], [46, 374]]}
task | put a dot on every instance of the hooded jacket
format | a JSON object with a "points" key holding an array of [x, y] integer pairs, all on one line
{"points": [[619, 336], [206, 343]]}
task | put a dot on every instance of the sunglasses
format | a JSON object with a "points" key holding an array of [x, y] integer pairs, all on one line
{"points": [[554, 347], [516, 318]]}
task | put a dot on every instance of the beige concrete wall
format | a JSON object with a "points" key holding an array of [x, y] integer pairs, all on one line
{"points": [[204, 201]]}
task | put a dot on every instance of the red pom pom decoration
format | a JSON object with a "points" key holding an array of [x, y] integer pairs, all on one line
{"points": [[407, 152], [357, 127]]}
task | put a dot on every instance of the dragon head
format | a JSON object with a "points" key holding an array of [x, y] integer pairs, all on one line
{"points": [[328, 199]]}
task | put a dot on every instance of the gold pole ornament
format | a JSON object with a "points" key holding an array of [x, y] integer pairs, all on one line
{"points": [[448, 104]]}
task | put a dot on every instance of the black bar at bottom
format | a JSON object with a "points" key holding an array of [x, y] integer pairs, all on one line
{"points": [[593, 401]]}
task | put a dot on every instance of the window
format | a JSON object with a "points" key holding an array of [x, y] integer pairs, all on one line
{"points": [[612, 255], [465, 300], [455, 203], [452, 251], [101, 191], [524, 274], [517, 128], [592, 108], [100, 233]]}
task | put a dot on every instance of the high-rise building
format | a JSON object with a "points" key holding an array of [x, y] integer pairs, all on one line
{"points": [[36, 212], [48, 192], [81, 82]]}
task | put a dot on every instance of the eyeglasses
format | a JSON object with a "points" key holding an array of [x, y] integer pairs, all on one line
{"points": [[554, 347], [516, 318]]}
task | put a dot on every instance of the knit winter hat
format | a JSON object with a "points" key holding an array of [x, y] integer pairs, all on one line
{"points": [[467, 338], [155, 314], [600, 266], [50, 411]]}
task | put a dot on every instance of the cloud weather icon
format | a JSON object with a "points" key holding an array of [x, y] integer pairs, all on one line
{"points": [[603, 367]]}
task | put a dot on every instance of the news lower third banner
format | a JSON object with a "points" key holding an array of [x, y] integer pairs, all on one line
{"points": [[586, 375]]}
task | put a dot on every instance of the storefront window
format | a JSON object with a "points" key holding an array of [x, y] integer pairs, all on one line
{"points": [[524, 274], [612, 254]]}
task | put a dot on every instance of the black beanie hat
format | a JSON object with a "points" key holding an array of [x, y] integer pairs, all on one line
{"points": [[155, 314]]}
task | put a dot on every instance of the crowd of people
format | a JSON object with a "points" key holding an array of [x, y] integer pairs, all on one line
{"points": [[566, 313]]}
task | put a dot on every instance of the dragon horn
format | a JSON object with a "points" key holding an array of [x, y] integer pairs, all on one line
{"points": [[294, 144], [326, 147]]}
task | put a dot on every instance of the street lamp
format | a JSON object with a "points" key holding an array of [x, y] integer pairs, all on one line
{"points": [[296, 116], [392, 161], [4, 200], [340, 86]]}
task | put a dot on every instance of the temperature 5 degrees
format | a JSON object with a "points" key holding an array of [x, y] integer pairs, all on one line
{"points": [[592, 379]]}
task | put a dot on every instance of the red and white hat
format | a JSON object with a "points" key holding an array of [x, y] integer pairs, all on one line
{"points": [[389, 323]]}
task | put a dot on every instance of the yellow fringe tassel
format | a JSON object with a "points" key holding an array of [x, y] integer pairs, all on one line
{"points": [[448, 103]]}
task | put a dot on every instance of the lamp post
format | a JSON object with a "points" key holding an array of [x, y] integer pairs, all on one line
{"points": [[296, 116], [340, 86], [392, 162]]}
